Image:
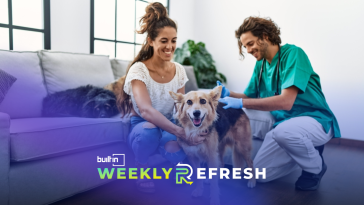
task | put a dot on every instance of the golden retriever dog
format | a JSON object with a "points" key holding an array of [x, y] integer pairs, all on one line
{"points": [[198, 111], [117, 88]]}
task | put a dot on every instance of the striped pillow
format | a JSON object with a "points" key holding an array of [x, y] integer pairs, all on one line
{"points": [[6, 81]]}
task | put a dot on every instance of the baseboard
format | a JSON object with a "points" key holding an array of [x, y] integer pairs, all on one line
{"points": [[347, 142]]}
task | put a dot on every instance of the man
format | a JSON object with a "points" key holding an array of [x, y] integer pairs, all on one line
{"points": [[285, 84]]}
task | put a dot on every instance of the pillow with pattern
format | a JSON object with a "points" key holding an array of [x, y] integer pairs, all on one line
{"points": [[6, 81]]}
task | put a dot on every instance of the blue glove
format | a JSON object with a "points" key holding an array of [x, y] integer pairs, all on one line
{"points": [[225, 92], [236, 103]]}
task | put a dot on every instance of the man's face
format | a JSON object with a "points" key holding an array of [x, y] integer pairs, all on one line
{"points": [[258, 48]]}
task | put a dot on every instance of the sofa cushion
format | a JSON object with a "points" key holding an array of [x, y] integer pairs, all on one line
{"points": [[64, 71], [119, 67], [191, 84], [36, 138], [6, 81], [24, 98]]}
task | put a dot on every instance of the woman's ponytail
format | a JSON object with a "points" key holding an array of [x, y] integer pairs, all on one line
{"points": [[154, 19]]}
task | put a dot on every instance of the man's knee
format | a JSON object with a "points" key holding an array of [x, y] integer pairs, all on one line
{"points": [[283, 135]]}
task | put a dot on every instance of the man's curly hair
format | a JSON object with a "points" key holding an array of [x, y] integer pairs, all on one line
{"points": [[259, 27]]}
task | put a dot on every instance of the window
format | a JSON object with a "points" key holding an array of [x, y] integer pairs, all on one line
{"points": [[113, 26], [25, 24]]}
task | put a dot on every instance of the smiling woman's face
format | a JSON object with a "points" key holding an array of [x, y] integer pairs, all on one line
{"points": [[254, 46], [164, 44]]}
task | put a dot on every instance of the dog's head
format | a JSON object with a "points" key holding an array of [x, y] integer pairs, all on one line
{"points": [[101, 105], [196, 108]]}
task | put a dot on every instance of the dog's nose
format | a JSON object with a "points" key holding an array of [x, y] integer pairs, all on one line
{"points": [[196, 113]]}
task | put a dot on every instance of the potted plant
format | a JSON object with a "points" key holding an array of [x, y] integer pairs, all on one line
{"points": [[202, 62]]}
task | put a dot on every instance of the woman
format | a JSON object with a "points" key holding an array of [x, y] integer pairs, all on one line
{"points": [[148, 82]]}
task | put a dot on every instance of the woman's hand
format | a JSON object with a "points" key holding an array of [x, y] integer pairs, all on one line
{"points": [[192, 139]]}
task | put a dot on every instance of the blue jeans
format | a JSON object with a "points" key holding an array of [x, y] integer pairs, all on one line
{"points": [[145, 141]]}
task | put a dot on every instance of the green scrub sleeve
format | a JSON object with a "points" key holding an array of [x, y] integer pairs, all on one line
{"points": [[297, 70]]}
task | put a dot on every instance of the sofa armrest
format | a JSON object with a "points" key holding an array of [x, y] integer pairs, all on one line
{"points": [[4, 121], [4, 157]]}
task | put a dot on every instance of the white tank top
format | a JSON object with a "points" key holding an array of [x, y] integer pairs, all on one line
{"points": [[158, 92]]}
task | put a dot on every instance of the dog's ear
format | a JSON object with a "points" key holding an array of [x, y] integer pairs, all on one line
{"points": [[216, 93], [177, 97], [110, 87]]}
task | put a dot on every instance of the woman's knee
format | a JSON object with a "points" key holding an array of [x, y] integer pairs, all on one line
{"points": [[172, 152], [167, 137], [147, 134], [172, 147]]}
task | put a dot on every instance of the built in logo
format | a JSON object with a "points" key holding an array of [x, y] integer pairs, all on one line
{"points": [[117, 160]]}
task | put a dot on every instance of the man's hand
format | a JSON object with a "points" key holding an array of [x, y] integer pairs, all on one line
{"points": [[224, 92], [236, 103]]}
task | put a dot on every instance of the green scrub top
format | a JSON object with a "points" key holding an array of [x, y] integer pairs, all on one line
{"points": [[295, 70]]}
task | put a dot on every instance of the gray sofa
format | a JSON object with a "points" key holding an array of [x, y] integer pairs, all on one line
{"points": [[43, 160]]}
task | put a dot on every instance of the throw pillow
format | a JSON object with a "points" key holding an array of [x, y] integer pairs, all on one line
{"points": [[119, 67], [6, 81]]}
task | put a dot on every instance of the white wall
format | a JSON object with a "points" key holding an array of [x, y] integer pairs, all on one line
{"points": [[70, 25], [328, 31], [183, 12]]}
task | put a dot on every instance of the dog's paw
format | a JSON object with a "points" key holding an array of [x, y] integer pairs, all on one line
{"points": [[251, 183], [197, 193]]}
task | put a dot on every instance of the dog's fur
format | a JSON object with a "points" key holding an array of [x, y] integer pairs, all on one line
{"points": [[85, 101], [226, 127], [117, 88]]}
